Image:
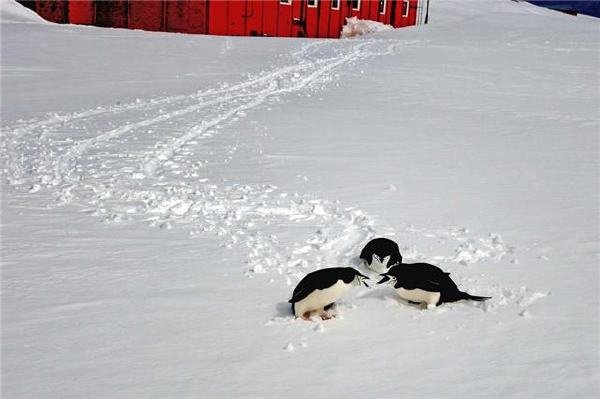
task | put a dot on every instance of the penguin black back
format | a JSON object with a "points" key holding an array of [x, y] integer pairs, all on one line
{"points": [[382, 247], [321, 279], [430, 278]]}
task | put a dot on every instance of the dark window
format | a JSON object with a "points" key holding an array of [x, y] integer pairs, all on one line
{"points": [[285, 1], [405, 8], [382, 6], [312, 3], [335, 4], [356, 5]]}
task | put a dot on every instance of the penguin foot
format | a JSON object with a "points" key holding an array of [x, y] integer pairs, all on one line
{"points": [[327, 316]]}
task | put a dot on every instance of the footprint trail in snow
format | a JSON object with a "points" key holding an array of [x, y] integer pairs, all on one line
{"points": [[146, 161]]}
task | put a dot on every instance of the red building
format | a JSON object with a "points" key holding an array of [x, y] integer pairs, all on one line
{"points": [[284, 18]]}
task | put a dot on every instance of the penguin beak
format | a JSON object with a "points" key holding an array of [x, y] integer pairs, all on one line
{"points": [[361, 279], [384, 279]]}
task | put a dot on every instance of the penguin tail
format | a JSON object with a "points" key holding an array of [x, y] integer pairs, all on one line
{"points": [[477, 298]]}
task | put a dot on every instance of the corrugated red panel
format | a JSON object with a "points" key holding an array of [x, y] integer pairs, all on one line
{"points": [[270, 17], [55, 11], [355, 8], [81, 12], [323, 18], [382, 6], [366, 9], [311, 18], [236, 25], [176, 12], [111, 14], [254, 18], [335, 18], [400, 19], [284, 19], [197, 16], [298, 18], [146, 15], [412, 13], [217, 17]]}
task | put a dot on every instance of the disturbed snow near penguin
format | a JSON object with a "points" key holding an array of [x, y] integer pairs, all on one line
{"points": [[419, 283]]}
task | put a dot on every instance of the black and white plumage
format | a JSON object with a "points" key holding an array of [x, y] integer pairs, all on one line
{"points": [[319, 290], [425, 283], [380, 254]]}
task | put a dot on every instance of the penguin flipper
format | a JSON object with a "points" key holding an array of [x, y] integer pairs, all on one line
{"points": [[299, 294]]}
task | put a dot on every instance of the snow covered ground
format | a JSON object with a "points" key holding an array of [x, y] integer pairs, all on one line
{"points": [[162, 195]]}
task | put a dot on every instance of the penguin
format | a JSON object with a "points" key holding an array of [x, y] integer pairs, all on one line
{"points": [[426, 284], [380, 254], [318, 291]]}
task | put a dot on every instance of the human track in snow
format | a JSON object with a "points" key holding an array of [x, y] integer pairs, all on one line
{"points": [[143, 161]]}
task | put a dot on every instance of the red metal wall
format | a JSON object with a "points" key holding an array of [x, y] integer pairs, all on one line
{"points": [[55, 11], [81, 12], [287, 18], [185, 16], [254, 17], [146, 15]]}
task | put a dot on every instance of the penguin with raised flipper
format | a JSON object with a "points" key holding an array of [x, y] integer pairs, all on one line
{"points": [[426, 284], [318, 291], [380, 254]]}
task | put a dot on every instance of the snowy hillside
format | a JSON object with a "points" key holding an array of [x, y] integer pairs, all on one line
{"points": [[162, 195]]}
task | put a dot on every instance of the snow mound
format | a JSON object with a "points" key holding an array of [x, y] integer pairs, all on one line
{"points": [[359, 27], [13, 12]]}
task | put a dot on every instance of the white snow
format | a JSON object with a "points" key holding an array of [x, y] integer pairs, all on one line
{"points": [[162, 194], [358, 27], [13, 12]]}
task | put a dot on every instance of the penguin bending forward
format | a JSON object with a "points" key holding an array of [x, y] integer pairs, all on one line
{"points": [[381, 254], [426, 284], [319, 290]]}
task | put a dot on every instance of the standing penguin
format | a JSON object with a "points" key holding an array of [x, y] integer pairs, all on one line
{"points": [[425, 283], [381, 254], [319, 290]]}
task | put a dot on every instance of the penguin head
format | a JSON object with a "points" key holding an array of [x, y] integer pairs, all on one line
{"points": [[386, 277], [394, 274], [359, 278]]}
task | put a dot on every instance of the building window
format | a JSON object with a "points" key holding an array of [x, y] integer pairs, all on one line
{"points": [[356, 5], [335, 4], [285, 2], [382, 4], [312, 3], [405, 8]]}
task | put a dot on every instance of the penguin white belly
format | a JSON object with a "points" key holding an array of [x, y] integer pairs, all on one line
{"points": [[318, 299], [419, 295]]}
